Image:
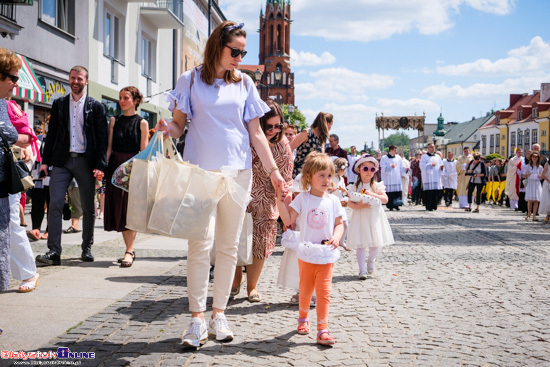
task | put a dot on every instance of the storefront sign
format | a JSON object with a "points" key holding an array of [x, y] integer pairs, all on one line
{"points": [[54, 88]]}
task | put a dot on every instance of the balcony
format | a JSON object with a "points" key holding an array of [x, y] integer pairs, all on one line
{"points": [[163, 14], [8, 24]]}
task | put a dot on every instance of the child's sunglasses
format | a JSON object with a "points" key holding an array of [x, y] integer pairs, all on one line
{"points": [[366, 169], [236, 52]]}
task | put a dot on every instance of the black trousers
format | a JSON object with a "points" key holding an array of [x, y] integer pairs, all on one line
{"points": [[522, 204], [39, 197], [448, 196], [431, 197], [416, 195], [394, 200], [479, 188]]}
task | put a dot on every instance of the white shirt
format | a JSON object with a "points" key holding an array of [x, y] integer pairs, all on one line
{"points": [[76, 125], [219, 113], [449, 177], [352, 176], [431, 175], [391, 176], [317, 215]]}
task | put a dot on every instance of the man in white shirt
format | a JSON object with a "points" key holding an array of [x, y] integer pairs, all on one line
{"points": [[391, 169], [449, 179], [431, 164]]}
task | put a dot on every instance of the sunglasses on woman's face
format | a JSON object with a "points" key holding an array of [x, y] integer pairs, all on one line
{"points": [[13, 78], [270, 127], [236, 52], [366, 169]]}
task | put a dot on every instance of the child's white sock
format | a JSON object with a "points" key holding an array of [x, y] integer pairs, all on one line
{"points": [[361, 254], [373, 252]]}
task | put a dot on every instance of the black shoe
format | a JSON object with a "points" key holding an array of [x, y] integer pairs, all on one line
{"points": [[49, 258], [397, 208], [87, 255]]}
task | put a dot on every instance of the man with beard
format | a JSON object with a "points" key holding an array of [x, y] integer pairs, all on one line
{"points": [[431, 164], [463, 180], [76, 147], [391, 168]]}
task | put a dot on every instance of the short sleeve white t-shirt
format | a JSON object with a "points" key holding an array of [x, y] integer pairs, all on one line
{"points": [[317, 215]]}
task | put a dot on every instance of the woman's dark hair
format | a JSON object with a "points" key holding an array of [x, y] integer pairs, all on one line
{"points": [[137, 97], [534, 154], [321, 123], [213, 52], [274, 110]]}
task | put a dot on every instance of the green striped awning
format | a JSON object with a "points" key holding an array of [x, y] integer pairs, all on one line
{"points": [[29, 87]]}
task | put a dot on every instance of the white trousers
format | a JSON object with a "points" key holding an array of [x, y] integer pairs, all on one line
{"points": [[226, 232], [21, 256], [463, 201]]}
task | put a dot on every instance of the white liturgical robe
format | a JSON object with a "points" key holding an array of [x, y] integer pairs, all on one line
{"points": [[391, 176], [449, 177], [431, 174]]}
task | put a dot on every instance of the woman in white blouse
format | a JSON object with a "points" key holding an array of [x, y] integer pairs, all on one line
{"points": [[224, 108]]}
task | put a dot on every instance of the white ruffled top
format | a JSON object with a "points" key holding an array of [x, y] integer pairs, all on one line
{"points": [[219, 115]]}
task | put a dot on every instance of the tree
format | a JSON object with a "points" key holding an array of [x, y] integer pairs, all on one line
{"points": [[400, 140], [297, 118]]}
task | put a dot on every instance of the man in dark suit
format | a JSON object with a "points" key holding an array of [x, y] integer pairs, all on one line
{"points": [[75, 146]]}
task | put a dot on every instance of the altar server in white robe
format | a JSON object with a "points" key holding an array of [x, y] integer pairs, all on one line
{"points": [[449, 179], [511, 176], [392, 168], [463, 180], [405, 179], [431, 165]]}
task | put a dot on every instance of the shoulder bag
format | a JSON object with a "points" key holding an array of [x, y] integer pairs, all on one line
{"points": [[19, 178]]}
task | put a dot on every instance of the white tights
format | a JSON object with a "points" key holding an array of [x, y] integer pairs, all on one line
{"points": [[361, 254]]}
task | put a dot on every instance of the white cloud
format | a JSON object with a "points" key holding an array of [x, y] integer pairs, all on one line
{"points": [[526, 59], [398, 107], [365, 20], [304, 58], [486, 91]]}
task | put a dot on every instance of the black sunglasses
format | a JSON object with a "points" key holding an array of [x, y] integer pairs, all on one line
{"points": [[271, 127], [236, 52], [366, 169], [13, 78]]}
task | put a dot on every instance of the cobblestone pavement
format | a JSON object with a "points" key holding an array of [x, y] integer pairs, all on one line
{"points": [[457, 289]]}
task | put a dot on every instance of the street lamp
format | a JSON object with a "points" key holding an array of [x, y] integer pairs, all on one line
{"points": [[278, 75], [258, 75], [291, 109]]}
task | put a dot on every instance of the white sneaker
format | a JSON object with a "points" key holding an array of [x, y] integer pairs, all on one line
{"points": [[195, 334], [363, 275], [218, 326], [370, 267]]}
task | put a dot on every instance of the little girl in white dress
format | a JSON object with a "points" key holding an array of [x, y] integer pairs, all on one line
{"points": [[533, 190], [369, 227]]}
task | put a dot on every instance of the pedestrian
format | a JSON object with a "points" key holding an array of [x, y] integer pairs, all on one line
{"points": [[416, 179], [263, 206], [431, 164], [352, 158], [75, 145], [449, 179], [290, 133], [128, 135], [310, 140], [544, 207], [392, 168], [477, 171], [339, 190], [231, 127], [40, 195], [369, 226], [405, 186], [334, 150], [512, 179], [462, 179], [532, 173], [9, 68], [319, 215]]}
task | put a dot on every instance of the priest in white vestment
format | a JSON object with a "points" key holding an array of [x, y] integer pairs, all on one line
{"points": [[511, 177], [449, 179], [391, 169], [463, 180], [431, 165]]}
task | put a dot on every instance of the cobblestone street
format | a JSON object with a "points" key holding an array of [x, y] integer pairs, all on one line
{"points": [[457, 289]]}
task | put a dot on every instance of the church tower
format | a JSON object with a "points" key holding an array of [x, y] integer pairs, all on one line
{"points": [[275, 52]]}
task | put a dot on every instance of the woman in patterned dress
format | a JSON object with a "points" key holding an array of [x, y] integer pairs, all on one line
{"points": [[263, 206], [311, 140]]}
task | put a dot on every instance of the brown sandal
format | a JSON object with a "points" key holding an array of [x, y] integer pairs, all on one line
{"points": [[127, 264]]}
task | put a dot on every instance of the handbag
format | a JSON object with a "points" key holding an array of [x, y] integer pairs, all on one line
{"points": [[19, 178], [142, 183]]}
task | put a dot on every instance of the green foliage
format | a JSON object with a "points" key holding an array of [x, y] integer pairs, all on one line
{"points": [[400, 140], [297, 118], [493, 156]]}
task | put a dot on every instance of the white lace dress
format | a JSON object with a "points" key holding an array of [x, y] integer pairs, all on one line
{"points": [[544, 206], [533, 189]]}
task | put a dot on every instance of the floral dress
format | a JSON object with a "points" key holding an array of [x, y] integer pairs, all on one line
{"points": [[313, 143]]}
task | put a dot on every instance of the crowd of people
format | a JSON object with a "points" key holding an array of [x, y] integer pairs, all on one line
{"points": [[326, 197]]}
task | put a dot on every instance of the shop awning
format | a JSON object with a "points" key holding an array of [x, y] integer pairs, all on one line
{"points": [[29, 87]]}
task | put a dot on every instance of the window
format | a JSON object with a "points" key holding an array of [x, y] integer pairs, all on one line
{"points": [[502, 152], [483, 143], [535, 112], [148, 58], [112, 108], [503, 137], [543, 146], [492, 144], [497, 143], [543, 133], [58, 13], [512, 140], [527, 138], [113, 40], [535, 136], [520, 115], [520, 138], [149, 116]]}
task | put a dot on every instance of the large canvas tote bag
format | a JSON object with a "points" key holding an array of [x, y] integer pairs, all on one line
{"points": [[143, 183], [186, 198]]}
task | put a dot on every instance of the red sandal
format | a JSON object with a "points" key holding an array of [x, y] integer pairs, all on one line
{"points": [[303, 326], [326, 339]]}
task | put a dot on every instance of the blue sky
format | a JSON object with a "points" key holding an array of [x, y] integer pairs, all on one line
{"points": [[357, 58]]}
